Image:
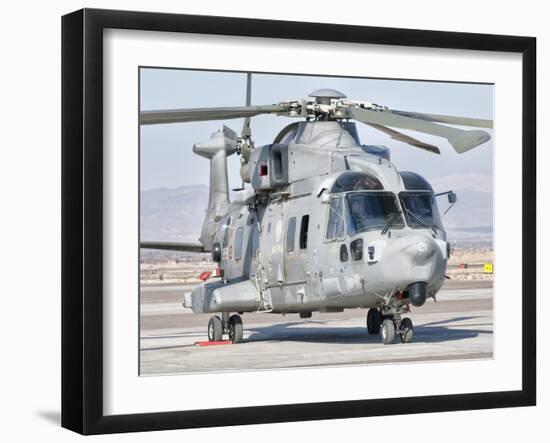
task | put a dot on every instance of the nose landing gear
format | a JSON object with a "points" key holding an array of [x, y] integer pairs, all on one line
{"points": [[406, 330], [374, 320], [388, 325], [388, 331], [232, 326]]}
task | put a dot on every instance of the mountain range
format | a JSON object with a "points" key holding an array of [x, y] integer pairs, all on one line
{"points": [[176, 214], [471, 218]]}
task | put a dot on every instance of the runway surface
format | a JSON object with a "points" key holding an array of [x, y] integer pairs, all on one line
{"points": [[458, 326]]}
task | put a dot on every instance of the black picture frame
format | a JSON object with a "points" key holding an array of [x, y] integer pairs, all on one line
{"points": [[82, 219]]}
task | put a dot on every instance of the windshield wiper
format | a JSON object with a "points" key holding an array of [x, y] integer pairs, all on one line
{"points": [[391, 221], [417, 217]]}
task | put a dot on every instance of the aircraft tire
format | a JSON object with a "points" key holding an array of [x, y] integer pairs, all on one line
{"points": [[235, 328], [215, 329], [407, 330], [374, 320], [388, 331]]}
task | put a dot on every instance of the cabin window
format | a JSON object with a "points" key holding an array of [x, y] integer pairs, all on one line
{"points": [[303, 231], [239, 243], [269, 227], [335, 228], [356, 248], [344, 253], [291, 234]]}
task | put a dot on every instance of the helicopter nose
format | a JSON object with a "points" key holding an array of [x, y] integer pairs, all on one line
{"points": [[421, 251], [424, 258], [414, 258]]}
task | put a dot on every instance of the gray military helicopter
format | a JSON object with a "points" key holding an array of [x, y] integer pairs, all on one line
{"points": [[326, 223]]}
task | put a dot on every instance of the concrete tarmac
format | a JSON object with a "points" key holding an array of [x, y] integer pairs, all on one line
{"points": [[458, 326]]}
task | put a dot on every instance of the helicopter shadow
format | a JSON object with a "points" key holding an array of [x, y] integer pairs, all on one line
{"points": [[434, 332]]}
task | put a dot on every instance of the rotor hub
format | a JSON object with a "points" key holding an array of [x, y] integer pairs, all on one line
{"points": [[324, 96]]}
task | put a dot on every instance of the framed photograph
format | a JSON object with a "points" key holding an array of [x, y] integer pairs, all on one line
{"points": [[270, 221]]}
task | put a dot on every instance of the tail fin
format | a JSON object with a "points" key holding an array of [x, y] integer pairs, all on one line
{"points": [[220, 145]]}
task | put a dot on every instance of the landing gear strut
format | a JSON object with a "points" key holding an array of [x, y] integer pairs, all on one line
{"points": [[232, 326]]}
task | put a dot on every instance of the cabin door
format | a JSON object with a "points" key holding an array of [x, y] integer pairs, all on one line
{"points": [[276, 226]]}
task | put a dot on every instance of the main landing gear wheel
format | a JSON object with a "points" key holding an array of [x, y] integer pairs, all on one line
{"points": [[374, 320], [388, 331], [235, 329], [407, 330], [215, 329]]}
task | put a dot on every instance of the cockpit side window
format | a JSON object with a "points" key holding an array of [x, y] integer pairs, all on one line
{"points": [[356, 248], [335, 226], [344, 253]]}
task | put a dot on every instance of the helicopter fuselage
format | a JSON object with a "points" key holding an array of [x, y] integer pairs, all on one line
{"points": [[326, 225]]}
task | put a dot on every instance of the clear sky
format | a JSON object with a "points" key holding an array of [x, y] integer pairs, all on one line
{"points": [[167, 159]]}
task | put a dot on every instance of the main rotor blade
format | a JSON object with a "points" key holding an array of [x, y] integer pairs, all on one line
{"points": [[172, 246], [449, 119], [459, 139], [406, 138], [204, 114]]}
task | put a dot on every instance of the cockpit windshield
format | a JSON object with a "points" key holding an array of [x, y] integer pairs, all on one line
{"points": [[420, 209], [373, 210]]}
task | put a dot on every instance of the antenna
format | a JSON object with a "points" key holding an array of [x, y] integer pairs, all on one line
{"points": [[246, 133]]}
